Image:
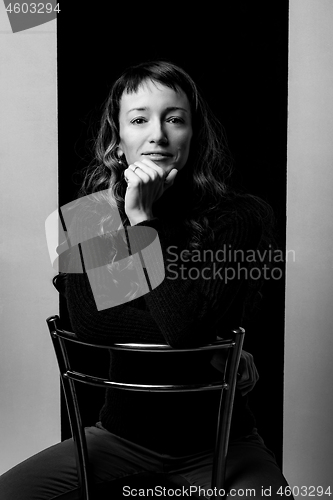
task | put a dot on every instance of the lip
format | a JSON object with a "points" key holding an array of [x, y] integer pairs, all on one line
{"points": [[157, 155]]}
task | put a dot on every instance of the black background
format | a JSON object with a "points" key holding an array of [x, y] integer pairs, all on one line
{"points": [[237, 53]]}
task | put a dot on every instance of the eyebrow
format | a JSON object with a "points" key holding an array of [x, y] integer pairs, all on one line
{"points": [[170, 108]]}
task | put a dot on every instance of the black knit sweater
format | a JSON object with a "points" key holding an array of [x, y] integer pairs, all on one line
{"points": [[189, 310]]}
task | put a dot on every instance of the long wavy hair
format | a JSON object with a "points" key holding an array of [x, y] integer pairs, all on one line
{"points": [[201, 185]]}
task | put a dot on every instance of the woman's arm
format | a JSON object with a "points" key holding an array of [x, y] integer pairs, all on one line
{"points": [[180, 311], [195, 294]]}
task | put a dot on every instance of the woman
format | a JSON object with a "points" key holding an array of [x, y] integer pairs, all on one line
{"points": [[161, 164]]}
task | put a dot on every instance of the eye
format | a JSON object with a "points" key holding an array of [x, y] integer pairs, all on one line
{"points": [[175, 119], [138, 121]]}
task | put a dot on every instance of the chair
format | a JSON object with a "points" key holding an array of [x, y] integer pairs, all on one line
{"points": [[70, 377]]}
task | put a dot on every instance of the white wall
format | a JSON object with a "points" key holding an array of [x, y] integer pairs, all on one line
{"points": [[308, 420], [29, 383]]}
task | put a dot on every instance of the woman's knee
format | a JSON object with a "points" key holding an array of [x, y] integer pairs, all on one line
{"points": [[252, 471], [50, 474]]}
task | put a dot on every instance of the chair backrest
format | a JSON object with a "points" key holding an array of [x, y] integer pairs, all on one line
{"points": [[69, 377]]}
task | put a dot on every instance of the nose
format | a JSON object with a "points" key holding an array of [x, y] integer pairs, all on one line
{"points": [[158, 133]]}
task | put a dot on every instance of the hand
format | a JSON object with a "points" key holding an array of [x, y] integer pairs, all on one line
{"points": [[247, 372], [146, 182]]}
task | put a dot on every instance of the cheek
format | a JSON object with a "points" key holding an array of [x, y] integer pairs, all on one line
{"points": [[184, 141], [184, 145], [128, 142]]}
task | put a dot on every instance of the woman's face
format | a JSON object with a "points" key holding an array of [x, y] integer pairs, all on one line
{"points": [[155, 123]]}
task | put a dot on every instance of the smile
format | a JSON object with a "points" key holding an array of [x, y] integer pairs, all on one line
{"points": [[157, 155]]}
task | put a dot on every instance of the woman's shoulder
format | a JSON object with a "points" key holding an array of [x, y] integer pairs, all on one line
{"points": [[244, 207], [244, 218]]}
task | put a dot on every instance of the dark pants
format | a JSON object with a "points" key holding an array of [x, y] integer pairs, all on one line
{"points": [[51, 474]]}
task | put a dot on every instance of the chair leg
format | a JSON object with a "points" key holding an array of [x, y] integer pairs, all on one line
{"points": [[81, 454], [225, 414]]}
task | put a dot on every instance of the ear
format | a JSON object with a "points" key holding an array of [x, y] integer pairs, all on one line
{"points": [[120, 152]]}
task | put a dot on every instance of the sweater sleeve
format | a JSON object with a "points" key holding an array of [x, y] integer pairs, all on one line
{"points": [[194, 295], [199, 290]]}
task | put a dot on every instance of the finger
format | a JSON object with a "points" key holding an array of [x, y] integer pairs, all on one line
{"points": [[242, 368], [149, 167], [151, 164], [131, 179], [168, 177], [135, 174], [256, 375], [244, 377], [126, 175], [253, 374], [246, 386]]}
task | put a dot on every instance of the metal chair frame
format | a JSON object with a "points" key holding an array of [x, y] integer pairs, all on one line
{"points": [[70, 377]]}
